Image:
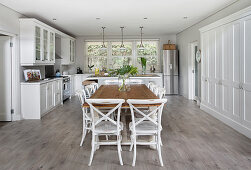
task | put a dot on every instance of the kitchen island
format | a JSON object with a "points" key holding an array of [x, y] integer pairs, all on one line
{"points": [[146, 78]]}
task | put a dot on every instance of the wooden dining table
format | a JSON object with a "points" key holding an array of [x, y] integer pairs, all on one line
{"points": [[137, 91]]}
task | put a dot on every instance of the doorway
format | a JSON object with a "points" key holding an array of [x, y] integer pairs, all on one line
{"points": [[6, 78], [193, 72]]}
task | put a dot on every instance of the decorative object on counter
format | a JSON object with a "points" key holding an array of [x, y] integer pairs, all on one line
{"points": [[169, 46], [122, 47], [90, 68], [123, 74], [65, 73], [96, 71], [198, 56], [152, 61], [58, 74], [152, 69], [79, 71], [32, 75], [141, 46], [103, 47], [143, 64]]}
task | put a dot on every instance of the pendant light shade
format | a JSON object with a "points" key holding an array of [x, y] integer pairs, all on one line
{"points": [[103, 47], [122, 46], [141, 46]]}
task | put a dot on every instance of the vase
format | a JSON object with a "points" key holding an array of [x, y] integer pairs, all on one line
{"points": [[123, 83], [143, 69]]}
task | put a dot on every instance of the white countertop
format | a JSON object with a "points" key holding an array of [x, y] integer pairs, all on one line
{"points": [[40, 81]]}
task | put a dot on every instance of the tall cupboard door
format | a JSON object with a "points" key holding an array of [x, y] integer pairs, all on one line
{"points": [[45, 45], [246, 72], [57, 92], [52, 47], [43, 99], [38, 42], [204, 73], [231, 71], [50, 95]]}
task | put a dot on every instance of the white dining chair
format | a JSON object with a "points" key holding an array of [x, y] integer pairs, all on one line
{"points": [[150, 84], [95, 87], [86, 115], [89, 89], [161, 92], [147, 125], [155, 89], [103, 124]]}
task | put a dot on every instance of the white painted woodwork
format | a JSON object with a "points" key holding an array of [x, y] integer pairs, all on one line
{"points": [[68, 50], [5, 75], [37, 43], [226, 61], [39, 98]]}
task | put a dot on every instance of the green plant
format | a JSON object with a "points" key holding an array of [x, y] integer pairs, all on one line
{"points": [[143, 61]]}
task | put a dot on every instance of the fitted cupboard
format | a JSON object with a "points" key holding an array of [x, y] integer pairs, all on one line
{"points": [[37, 43], [38, 98], [226, 70]]}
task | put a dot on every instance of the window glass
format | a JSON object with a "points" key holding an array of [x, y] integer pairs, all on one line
{"points": [[150, 48], [93, 49], [116, 49]]}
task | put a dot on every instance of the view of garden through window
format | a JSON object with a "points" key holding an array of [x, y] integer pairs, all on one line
{"points": [[112, 57]]}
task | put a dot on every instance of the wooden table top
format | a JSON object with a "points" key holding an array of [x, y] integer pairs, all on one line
{"points": [[139, 91]]}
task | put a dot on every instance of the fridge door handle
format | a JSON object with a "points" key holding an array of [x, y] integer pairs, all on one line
{"points": [[170, 66]]}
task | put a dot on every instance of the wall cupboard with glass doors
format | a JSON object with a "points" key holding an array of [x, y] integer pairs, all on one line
{"points": [[37, 43], [226, 71]]}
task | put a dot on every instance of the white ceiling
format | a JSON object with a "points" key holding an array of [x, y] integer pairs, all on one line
{"points": [[78, 17]]}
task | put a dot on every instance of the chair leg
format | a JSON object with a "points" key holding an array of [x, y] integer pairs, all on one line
{"points": [[131, 144], [159, 150], [93, 149], [119, 150], [134, 154], [83, 133]]}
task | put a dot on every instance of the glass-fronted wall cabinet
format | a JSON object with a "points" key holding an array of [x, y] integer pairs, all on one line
{"points": [[37, 43], [68, 50]]}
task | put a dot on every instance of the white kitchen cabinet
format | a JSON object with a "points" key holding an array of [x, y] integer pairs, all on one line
{"points": [[58, 92], [226, 80], [78, 79], [39, 98], [68, 50], [37, 43]]}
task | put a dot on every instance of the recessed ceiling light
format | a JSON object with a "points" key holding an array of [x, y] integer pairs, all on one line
{"points": [[98, 18], [145, 18], [185, 17], [54, 19]]}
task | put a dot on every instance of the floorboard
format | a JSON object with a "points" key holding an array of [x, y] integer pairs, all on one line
{"points": [[192, 140]]}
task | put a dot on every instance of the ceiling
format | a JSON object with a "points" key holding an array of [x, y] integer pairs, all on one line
{"points": [[78, 17]]}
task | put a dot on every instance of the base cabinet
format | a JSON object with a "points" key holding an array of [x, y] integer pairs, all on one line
{"points": [[226, 80], [37, 99]]}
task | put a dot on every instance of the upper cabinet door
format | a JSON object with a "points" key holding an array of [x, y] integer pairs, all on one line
{"points": [[45, 46], [38, 51], [246, 71], [52, 47]]}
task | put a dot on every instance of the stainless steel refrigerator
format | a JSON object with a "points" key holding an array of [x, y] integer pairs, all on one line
{"points": [[171, 71]]}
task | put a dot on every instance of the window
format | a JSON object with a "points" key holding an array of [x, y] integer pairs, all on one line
{"points": [[96, 56], [113, 58]]}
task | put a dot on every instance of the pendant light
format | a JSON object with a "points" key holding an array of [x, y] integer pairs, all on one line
{"points": [[122, 47], [141, 46], [103, 47]]}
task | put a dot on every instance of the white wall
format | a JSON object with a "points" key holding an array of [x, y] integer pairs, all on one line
{"points": [[192, 34], [80, 53], [9, 24]]}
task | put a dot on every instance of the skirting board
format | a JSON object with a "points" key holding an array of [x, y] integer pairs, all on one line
{"points": [[233, 124]]}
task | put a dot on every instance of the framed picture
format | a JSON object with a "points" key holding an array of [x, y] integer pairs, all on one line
{"points": [[32, 75]]}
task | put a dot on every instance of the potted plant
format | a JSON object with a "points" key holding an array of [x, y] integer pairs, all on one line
{"points": [[123, 74], [143, 64]]}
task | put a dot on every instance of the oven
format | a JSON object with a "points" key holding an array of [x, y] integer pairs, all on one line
{"points": [[66, 88]]}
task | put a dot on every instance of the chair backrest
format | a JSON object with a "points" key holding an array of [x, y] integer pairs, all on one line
{"points": [[146, 116], [151, 85], [161, 92], [105, 116], [89, 89], [155, 89], [111, 82], [81, 96], [95, 86]]}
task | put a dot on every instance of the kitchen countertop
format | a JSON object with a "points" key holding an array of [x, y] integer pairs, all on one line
{"points": [[137, 76], [41, 81]]}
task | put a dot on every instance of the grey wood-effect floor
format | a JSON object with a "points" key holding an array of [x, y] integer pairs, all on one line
{"points": [[192, 140]]}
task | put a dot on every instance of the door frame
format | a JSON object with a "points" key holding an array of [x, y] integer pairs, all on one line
{"points": [[191, 70], [15, 85]]}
